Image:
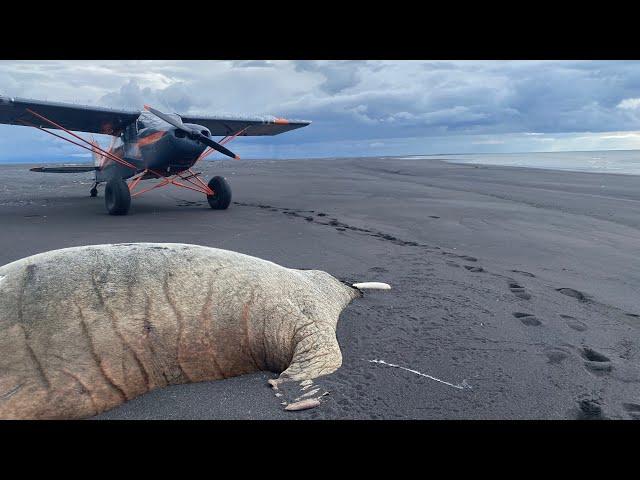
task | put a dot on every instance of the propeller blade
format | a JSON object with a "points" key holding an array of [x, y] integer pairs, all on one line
{"points": [[192, 133], [216, 146], [170, 120]]}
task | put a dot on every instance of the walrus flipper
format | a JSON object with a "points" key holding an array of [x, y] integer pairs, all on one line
{"points": [[316, 353]]}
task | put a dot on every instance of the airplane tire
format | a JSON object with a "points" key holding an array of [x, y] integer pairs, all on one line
{"points": [[93, 192], [221, 198], [117, 197]]}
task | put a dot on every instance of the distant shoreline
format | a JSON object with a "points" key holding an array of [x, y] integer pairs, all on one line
{"points": [[614, 162], [621, 162]]}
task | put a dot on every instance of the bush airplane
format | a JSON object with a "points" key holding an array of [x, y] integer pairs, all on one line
{"points": [[146, 144]]}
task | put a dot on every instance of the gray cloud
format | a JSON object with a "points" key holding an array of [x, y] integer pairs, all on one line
{"points": [[338, 76], [362, 102], [177, 97], [252, 63]]}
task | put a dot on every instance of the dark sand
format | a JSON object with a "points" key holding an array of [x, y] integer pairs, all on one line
{"points": [[521, 284]]}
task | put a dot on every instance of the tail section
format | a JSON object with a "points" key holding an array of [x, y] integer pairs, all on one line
{"points": [[98, 163], [99, 159]]}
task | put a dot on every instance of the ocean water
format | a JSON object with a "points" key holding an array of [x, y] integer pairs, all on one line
{"points": [[603, 161]]}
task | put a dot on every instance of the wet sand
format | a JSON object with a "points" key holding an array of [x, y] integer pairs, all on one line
{"points": [[517, 288]]}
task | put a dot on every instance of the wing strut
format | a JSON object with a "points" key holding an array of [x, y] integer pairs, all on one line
{"points": [[93, 148]]}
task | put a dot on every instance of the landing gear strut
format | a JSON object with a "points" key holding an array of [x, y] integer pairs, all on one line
{"points": [[218, 191]]}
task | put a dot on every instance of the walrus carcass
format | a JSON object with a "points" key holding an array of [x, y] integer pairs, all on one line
{"points": [[85, 329]]}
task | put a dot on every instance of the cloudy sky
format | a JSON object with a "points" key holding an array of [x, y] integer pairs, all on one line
{"points": [[357, 107]]}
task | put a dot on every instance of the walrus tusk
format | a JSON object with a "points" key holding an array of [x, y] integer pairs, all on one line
{"points": [[303, 404], [372, 286], [85, 329]]}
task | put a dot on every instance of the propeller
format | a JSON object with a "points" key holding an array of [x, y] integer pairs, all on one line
{"points": [[191, 133]]}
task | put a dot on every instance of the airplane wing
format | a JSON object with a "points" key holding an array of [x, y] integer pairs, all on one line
{"points": [[79, 118], [249, 126], [103, 120]]}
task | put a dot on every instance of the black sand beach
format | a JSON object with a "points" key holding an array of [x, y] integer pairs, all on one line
{"points": [[518, 287]]}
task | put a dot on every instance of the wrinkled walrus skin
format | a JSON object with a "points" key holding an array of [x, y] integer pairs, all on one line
{"points": [[84, 329]]}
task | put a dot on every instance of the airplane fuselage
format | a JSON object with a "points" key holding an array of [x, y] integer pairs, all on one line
{"points": [[163, 149]]}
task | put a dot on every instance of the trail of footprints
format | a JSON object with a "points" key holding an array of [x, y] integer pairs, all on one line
{"points": [[516, 288], [317, 217], [594, 362]]}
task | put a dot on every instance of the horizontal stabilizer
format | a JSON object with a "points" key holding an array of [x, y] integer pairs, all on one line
{"points": [[65, 169]]}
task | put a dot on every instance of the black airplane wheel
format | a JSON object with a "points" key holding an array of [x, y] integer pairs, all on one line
{"points": [[93, 192], [117, 197], [221, 197]]}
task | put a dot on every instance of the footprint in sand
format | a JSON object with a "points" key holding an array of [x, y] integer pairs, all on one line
{"points": [[590, 409], [574, 323], [556, 354], [463, 257], [518, 291], [570, 292], [526, 274], [528, 319], [378, 269], [596, 362], [633, 409], [471, 268]]}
